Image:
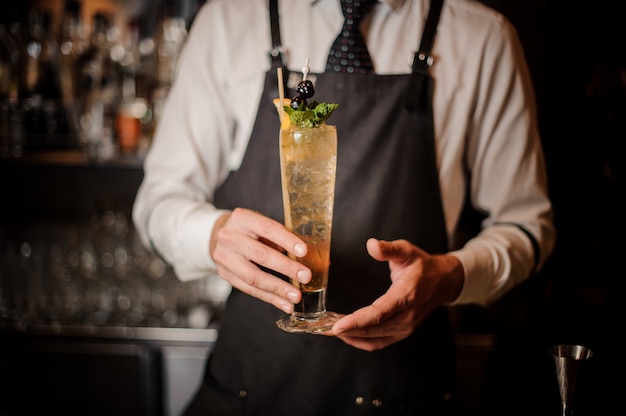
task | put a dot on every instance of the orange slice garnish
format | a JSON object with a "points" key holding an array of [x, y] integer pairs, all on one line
{"points": [[285, 122]]}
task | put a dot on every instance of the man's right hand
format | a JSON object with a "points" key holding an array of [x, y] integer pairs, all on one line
{"points": [[243, 240]]}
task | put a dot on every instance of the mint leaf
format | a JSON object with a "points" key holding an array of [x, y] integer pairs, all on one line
{"points": [[312, 115]]}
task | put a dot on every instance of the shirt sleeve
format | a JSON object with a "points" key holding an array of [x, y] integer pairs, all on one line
{"points": [[188, 157], [507, 175]]}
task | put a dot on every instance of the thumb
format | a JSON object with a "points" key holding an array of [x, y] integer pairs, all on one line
{"points": [[397, 250], [383, 250], [374, 248]]}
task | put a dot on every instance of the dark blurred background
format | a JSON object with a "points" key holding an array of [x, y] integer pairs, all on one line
{"points": [[577, 58]]}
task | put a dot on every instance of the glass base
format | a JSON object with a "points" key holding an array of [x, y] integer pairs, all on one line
{"points": [[295, 324]]}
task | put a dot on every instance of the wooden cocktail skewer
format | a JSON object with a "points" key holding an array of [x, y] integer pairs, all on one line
{"points": [[281, 93]]}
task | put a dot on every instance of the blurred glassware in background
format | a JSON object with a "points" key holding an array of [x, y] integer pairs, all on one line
{"points": [[97, 274]]}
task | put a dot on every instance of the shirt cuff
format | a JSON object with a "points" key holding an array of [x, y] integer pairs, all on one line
{"points": [[481, 282], [190, 245]]}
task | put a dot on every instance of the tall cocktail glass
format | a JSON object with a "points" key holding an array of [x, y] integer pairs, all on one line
{"points": [[308, 160]]}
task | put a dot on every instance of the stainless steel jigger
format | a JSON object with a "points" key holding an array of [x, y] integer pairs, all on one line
{"points": [[570, 361]]}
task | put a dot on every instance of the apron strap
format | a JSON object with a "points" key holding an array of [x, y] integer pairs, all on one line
{"points": [[422, 60], [277, 55]]}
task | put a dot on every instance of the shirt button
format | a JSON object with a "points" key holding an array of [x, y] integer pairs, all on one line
{"points": [[359, 401], [242, 394], [377, 403]]}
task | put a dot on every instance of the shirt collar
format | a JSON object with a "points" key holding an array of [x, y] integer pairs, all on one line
{"points": [[393, 4]]}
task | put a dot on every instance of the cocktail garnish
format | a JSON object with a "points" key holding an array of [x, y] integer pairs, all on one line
{"points": [[310, 115], [301, 113]]}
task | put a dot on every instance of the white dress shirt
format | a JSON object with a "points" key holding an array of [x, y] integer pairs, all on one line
{"points": [[484, 114]]}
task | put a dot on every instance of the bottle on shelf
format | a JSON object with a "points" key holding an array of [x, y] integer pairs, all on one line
{"points": [[169, 38], [134, 110], [100, 86], [38, 86], [8, 63], [71, 46], [8, 90]]}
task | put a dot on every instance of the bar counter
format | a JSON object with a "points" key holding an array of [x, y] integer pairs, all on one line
{"points": [[100, 370]]}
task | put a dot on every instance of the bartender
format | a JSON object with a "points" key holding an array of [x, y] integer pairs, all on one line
{"points": [[436, 119]]}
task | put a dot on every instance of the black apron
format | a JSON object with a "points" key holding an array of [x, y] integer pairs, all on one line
{"points": [[387, 187]]}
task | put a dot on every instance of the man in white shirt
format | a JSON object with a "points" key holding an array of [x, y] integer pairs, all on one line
{"points": [[210, 201]]}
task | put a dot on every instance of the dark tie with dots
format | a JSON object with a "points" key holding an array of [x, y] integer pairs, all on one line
{"points": [[349, 53]]}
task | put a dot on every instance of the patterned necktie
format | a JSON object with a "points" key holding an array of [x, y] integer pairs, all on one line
{"points": [[349, 53]]}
